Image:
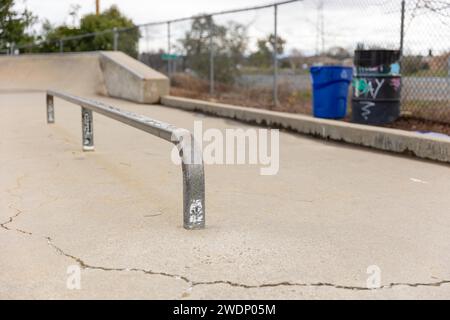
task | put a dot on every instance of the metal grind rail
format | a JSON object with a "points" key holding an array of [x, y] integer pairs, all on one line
{"points": [[190, 153]]}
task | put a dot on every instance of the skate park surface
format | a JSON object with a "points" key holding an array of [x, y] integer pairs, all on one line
{"points": [[316, 230]]}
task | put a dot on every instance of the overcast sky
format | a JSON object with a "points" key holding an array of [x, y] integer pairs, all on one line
{"points": [[141, 11], [346, 22]]}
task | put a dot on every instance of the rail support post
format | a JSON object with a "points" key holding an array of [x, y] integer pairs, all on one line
{"points": [[193, 196], [87, 129], [193, 179], [50, 109]]}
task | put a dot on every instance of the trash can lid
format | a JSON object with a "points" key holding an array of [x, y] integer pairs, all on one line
{"points": [[326, 74], [333, 67], [376, 57]]}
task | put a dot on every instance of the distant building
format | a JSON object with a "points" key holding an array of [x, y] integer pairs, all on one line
{"points": [[440, 62]]}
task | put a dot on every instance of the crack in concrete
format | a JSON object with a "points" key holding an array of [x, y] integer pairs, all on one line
{"points": [[84, 265], [18, 211], [23, 231], [12, 192], [11, 219], [193, 284], [321, 284]]}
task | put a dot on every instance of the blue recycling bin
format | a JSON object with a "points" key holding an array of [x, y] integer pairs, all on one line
{"points": [[330, 91]]}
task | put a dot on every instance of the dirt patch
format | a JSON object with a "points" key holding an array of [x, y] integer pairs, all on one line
{"points": [[414, 124]]}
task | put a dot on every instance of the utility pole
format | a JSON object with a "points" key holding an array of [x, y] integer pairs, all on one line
{"points": [[211, 56], [169, 49], [320, 29], [97, 7]]}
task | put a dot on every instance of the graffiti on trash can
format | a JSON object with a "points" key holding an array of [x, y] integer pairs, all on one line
{"points": [[367, 87], [366, 109], [396, 83]]}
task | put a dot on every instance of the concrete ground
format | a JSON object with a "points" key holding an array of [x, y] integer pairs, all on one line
{"points": [[311, 231]]}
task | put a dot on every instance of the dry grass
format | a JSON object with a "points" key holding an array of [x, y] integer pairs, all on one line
{"points": [[290, 100]]}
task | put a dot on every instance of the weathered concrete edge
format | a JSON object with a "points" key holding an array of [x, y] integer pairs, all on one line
{"points": [[124, 82], [386, 139], [104, 55]]}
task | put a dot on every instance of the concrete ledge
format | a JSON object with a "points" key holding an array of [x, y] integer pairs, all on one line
{"points": [[393, 140], [130, 79]]}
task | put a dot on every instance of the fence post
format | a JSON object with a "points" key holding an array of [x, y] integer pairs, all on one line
{"points": [[402, 29], [275, 58], [448, 80], [169, 49], [211, 56], [115, 40]]}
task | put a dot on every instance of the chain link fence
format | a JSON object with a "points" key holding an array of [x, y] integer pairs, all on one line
{"points": [[260, 56], [426, 60]]}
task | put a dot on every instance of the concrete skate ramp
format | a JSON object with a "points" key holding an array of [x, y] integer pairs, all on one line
{"points": [[93, 73], [130, 79], [78, 73]]}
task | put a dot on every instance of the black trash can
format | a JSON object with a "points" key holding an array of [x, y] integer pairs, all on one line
{"points": [[376, 87]]}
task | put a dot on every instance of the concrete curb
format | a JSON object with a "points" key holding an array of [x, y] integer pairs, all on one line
{"points": [[393, 140]]}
